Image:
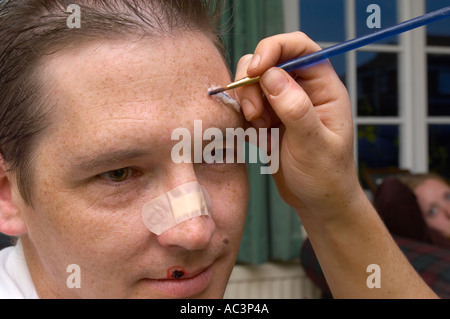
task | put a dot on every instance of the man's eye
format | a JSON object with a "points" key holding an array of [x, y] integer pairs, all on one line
{"points": [[117, 175]]}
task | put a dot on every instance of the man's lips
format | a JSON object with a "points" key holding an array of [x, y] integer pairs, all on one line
{"points": [[178, 272], [189, 283]]}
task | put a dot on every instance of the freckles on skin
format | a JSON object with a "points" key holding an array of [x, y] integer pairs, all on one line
{"points": [[155, 81], [117, 102], [227, 198], [112, 97]]}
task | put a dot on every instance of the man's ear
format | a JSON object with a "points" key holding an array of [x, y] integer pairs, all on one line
{"points": [[11, 223]]}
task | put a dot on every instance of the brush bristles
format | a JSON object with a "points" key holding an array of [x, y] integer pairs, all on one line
{"points": [[216, 91]]}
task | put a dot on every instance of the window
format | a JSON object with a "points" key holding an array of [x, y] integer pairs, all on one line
{"points": [[438, 95], [399, 87]]}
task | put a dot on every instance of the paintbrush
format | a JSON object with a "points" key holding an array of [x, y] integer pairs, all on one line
{"points": [[346, 46]]}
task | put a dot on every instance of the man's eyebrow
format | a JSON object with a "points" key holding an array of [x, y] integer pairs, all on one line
{"points": [[106, 159]]}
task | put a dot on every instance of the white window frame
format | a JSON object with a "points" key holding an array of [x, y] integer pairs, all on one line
{"points": [[412, 48]]}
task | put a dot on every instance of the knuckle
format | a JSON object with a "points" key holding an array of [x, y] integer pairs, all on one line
{"points": [[297, 105], [300, 34]]}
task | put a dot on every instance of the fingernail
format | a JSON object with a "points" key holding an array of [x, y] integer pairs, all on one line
{"points": [[255, 62], [275, 81], [249, 110]]}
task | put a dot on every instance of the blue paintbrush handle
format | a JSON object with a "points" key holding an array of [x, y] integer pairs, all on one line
{"points": [[364, 40], [346, 46]]}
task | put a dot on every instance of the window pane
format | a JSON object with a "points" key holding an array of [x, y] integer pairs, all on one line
{"points": [[438, 33], [339, 65], [377, 84], [323, 20], [439, 149], [378, 146], [387, 17], [438, 84]]}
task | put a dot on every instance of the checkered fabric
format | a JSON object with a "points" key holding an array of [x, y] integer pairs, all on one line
{"points": [[431, 262]]}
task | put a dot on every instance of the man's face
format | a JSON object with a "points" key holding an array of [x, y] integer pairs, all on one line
{"points": [[108, 152]]}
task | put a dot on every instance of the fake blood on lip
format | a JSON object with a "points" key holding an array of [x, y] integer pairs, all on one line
{"points": [[189, 285], [175, 272]]}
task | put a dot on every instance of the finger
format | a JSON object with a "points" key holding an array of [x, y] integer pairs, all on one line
{"points": [[320, 81], [250, 96], [291, 103], [280, 48]]}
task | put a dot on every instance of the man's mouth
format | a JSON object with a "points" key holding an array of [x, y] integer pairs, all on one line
{"points": [[180, 283]]}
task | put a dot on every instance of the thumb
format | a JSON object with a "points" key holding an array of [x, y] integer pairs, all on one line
{"points": [[290, 102]]}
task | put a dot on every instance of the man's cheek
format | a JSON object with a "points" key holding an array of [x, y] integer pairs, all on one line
{"points": [[231, 207]]}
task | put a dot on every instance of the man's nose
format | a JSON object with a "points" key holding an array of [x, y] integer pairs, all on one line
{"points": [[192, 234]]}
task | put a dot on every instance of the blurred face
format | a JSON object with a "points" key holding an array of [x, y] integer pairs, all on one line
{"points": [[433, 196], [108, 152]]}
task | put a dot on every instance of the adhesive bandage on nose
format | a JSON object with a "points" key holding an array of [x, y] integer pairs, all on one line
{"points": [[176, 206]]}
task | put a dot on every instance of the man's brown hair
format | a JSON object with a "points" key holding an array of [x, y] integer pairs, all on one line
{"points": [[32, 29]]}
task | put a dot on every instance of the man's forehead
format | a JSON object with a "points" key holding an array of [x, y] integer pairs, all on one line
{"points": [[165, 71], [113, 92]]}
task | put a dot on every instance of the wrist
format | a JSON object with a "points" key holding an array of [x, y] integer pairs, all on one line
{"points": [[339, 210]]}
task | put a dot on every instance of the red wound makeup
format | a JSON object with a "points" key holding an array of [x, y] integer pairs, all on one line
{"points": [[175, 272]]}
